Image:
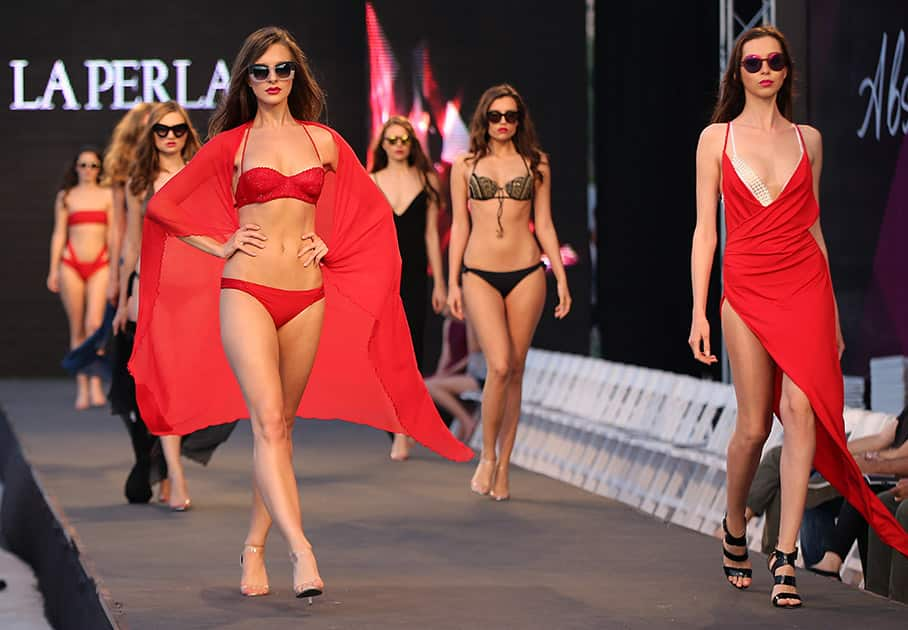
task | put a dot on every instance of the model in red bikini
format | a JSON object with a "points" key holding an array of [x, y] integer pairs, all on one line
{"points": [[779, 316], [78, 258], [304, 330]]}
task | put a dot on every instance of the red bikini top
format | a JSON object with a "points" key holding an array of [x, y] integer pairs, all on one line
{"points": [[87, 216], [263, 183]]}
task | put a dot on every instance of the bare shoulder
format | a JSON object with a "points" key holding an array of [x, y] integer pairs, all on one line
{"points": [[432, 178], [461, 162], [812, 138], [545, 166], [61, 195], [713, 135], [324, 140]]}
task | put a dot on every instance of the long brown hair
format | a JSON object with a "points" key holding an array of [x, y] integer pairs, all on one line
{"points": [[239, 105], [417, 157], [731, 94], [122, 147], [146, 166], [524, 139]]}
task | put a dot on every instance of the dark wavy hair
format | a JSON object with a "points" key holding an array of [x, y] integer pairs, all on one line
{"points": [[146, 166], [239, 105], [524, 140], [731, 92], [71, 177], [417, 157]]}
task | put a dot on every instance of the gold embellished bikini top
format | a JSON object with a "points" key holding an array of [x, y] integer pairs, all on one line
{"points": [[484, 188]]}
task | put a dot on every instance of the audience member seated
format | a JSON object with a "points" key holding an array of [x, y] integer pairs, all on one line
{"points": [[823, 501], [461, 368], [887, 569], [883, 468]]}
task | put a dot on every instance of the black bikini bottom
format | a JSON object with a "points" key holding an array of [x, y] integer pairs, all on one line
{"points": [[503, 281]]}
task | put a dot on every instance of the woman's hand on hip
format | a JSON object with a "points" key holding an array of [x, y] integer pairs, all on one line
{"points": [[313, 249], [248, 239]]}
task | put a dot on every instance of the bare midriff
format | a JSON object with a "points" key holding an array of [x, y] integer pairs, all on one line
{"points": [[284, 222], [515, 249], [87, 239]]}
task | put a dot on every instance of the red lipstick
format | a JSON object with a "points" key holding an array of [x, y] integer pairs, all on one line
{"points": [[273, 90]]}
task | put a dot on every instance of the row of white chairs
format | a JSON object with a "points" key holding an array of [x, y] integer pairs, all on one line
{"points": [[648, 438]]}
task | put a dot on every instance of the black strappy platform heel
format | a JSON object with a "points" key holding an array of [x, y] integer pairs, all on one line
{"points": [[735, 541], [777, 560]]}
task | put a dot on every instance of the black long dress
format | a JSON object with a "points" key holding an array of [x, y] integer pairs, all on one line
{"points": [[411, 240]]}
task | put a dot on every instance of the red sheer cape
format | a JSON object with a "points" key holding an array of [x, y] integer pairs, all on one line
{"points": [[777, 280], [365, 370]]}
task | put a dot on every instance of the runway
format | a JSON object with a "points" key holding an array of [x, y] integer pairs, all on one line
{"points": [[399, 545]]}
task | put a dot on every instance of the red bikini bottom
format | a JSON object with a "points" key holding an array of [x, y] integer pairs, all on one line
{"points": [[85, 270], [281, 304]]}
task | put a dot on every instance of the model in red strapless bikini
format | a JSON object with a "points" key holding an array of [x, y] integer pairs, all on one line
{"points": [[779, 314], [78, 253], [268, 327]]}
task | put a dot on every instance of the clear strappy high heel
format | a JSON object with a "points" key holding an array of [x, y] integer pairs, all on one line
{"points": [[309, 588], [253, 590]]}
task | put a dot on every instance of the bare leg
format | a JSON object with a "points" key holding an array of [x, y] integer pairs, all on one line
{"points": [[485, 310], [798, 449], [298, 340], [753, 372], [72, 294], [270, 371], [400, 447], [95, 303], [179, 491], [524, 307], [445, 391]]}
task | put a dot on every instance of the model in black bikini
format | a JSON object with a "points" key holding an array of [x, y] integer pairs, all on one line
{"points": [[503, 285]]}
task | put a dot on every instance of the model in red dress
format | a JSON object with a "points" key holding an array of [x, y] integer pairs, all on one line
{"points": [[304, 283], [779, 315]]}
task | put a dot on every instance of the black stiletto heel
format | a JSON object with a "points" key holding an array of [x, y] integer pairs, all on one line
{"points": [[777, 560], [735, 541]]}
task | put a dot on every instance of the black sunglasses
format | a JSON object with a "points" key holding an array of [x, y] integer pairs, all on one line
{"points": [[88, 165], [754, 63], [494, 116], [395, 140], [162, 130], [259, 72]]}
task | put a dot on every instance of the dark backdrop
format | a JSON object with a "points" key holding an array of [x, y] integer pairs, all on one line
{"points": [[858, 99], [656, 80], [541, 51]]}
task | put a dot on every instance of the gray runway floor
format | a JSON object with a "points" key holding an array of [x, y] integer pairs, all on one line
{"points": [[399, 545]]}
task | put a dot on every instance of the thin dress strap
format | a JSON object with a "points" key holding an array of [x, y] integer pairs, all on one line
{"points": [[731, 134], [314, 146], [245, 144], [800, 138]]}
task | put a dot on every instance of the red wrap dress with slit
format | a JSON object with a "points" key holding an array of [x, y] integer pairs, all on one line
{"points": [[777, 280], [365, 370]]}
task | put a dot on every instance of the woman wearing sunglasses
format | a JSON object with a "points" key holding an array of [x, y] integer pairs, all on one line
{"points": [[78, 255], [779, 316], [271, 244], [167, 143], [402, 171], [495, 190]]}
